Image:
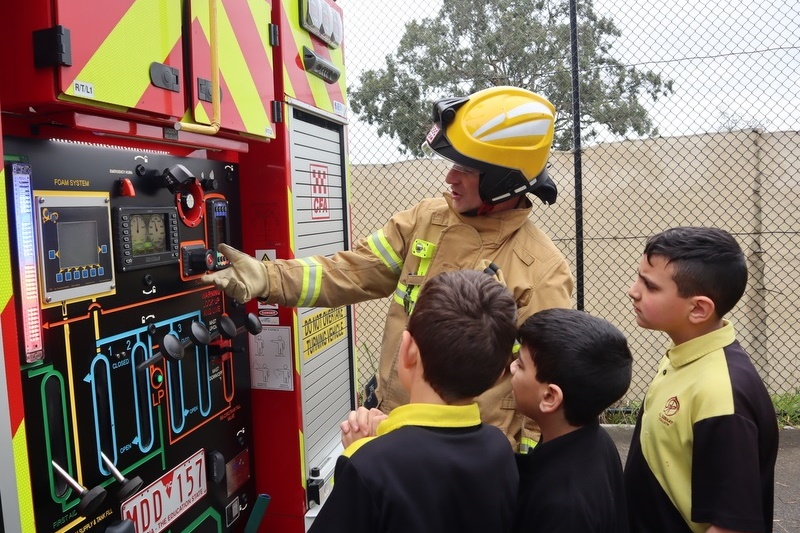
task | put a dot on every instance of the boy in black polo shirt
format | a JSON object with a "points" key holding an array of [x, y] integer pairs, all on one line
{"points": [[702, 457], [434, 466], [571, 367]]}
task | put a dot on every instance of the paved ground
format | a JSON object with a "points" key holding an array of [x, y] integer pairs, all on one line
{"points": [[787, 475]]}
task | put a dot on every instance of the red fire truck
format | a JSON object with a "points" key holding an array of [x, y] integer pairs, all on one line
{"points": [[138, 135]]}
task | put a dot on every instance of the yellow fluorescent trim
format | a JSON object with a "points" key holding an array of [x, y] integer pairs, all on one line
{"points": [[337, 58], [200, 115], [296, 341], [262, 15], [146, 33], [346, 171], [302, 460], [234, 69], [287, 84], [291, 219], [70, 379], [6, 288], [24, 492], [303, 300], [101, 105], [77, 194]]}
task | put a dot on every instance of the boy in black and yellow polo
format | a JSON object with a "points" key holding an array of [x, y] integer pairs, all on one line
{"points": [[571, 367], [702, 457], [433, 465]]}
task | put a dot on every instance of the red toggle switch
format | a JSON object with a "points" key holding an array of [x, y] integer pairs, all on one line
{"points": [[126, 187]]}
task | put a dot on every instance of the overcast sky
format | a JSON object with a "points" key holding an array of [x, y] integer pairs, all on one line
{"points": [[728, 58]]}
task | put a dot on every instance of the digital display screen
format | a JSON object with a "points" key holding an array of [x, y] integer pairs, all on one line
{"points": [[148, 234], [220, 232], [77, 244]]}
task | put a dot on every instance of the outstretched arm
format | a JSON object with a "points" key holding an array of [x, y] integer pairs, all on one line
{"points": [[370, 270]]}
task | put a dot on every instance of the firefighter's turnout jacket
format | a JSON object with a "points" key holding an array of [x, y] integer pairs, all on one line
{"points": [[384, 264]]}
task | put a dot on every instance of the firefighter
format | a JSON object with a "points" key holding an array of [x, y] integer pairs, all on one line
{"points": [[498, 141]]}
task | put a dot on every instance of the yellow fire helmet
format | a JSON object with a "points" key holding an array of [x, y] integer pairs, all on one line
{"points": [[503, 132]]}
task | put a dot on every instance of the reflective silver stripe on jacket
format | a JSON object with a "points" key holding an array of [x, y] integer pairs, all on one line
{"points": [[380, 247]]}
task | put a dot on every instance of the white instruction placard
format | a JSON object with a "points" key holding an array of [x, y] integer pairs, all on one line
{"points": [[271, 363]]}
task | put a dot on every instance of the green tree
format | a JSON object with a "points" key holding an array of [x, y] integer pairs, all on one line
{"points": [[475, 44]]}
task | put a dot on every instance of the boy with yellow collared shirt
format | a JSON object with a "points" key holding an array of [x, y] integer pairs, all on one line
{"points": [[702, 457], [433, 465]]}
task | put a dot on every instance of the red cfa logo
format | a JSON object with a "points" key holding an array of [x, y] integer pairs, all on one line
{"points": [[671, 408], [320, 209], [432, 134]]}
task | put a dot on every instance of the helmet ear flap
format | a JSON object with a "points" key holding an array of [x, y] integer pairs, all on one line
{"points": [[547, 191], [492, 190], [498, 184]]}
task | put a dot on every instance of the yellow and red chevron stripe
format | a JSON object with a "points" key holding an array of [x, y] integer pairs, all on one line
{"points": [[112, 54], [112, 51], [245, 64], [298, 83]]}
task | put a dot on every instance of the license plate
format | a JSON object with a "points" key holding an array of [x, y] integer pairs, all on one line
{"points": [[160, 503]]}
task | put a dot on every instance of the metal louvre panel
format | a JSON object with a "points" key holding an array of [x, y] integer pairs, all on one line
{"points": [[320, 228], [326, 400]]}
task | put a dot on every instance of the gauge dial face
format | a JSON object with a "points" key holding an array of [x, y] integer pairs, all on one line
{"points": [[156, 232], [138, 233]]}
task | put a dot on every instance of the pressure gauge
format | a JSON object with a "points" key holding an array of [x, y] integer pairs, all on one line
{"points": [[138, 233], [157, 232], [146, 237]]}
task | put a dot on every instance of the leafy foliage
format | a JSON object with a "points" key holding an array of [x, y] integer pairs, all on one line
{"points": [[475, 44]]}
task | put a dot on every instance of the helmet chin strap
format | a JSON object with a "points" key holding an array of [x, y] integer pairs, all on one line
{"points": [[485, 209]]}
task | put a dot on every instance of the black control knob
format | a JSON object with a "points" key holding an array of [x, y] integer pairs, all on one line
{"points": [[199, 334], [198, 260], [209, 184], [252, 324], [216, 466], [229, 330], [173, 347], [227, 327]]}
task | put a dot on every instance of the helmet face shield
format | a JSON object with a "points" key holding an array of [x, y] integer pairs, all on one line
{"points": [[434, 137]]}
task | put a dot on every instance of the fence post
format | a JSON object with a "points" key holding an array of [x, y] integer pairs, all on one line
{"points": [[576, 140]]}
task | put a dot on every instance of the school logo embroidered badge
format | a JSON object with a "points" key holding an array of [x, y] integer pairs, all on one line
{"points": [[671, 408]]}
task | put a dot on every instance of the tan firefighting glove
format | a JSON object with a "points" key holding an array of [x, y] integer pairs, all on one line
{"points": [[246, 277], [494, 271]]}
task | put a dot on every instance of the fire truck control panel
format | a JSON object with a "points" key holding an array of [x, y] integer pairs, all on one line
{"points": [[138, 136]]}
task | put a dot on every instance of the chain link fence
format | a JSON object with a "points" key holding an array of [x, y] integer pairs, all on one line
{"points": [[688, 113]]}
